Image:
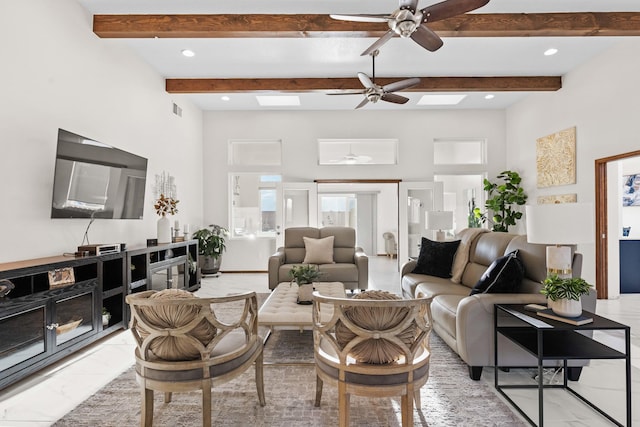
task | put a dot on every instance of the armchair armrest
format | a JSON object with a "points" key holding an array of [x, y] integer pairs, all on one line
{"points": [[275, 261], [361, 261], [474, 324]]}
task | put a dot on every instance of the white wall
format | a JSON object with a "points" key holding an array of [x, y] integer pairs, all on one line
{"points": [[299, 132], [602, 99], [57, 74]]}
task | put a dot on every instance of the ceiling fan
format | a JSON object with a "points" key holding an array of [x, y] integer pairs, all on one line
{"points": [[351, 159], [374, 93], [408, 21]]}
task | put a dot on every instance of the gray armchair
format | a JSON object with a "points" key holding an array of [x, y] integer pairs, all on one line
{"points": [[350, 264]]}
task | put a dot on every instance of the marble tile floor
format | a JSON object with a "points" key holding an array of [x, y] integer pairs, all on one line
{"points": [[44, 397]]}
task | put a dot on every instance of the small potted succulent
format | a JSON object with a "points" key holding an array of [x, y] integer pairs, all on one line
{"points": [[106, 317], [304, 274], [564, 294]]}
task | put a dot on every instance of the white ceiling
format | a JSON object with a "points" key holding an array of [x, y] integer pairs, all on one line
{"points": [[340, 57]]}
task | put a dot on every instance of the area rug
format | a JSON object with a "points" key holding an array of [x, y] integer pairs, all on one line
{"points": [[449, 398]]}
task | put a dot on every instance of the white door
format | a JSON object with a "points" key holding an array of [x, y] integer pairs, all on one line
{"points": [[297, 206], [415, 198]]}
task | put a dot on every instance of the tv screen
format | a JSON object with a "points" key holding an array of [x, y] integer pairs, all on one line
{"points": [[95, 180]]}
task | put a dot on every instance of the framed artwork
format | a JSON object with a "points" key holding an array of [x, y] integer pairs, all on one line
{"points": [[556, 158], [558, 198], [61, 277], [631, 190]]}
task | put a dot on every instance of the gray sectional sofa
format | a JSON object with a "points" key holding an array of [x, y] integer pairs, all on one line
{"points": [[464, 321]]}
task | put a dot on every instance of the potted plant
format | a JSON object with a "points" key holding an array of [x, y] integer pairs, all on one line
{"points": [[106, 317], [564, 294], [210, 247], [304, 274], [502, 198]]}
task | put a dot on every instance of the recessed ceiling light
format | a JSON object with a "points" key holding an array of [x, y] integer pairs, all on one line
{"points": [[489, 96], [441, 99], [278, 101], [188, 53], [225, 98], [551, 51]]}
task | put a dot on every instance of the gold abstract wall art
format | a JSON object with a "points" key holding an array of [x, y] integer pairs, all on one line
{"points": [[556, 158], [558, 198]]}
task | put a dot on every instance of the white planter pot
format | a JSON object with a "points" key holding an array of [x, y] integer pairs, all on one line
{"points": [[105, 320], [164, 230], [566, 307]]}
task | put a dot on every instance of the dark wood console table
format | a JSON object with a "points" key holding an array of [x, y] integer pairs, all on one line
{"points": [[40, 324]]}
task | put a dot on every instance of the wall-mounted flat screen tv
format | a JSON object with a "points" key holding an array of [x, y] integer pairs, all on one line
{"points": [[95, 180]]}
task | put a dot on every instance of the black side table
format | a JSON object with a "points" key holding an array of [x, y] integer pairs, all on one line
{"points": [[548, 339]]}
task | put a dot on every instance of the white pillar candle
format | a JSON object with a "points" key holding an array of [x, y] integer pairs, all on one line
{"points": [[176, 225]]}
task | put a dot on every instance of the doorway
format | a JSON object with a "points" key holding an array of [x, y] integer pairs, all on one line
{"points": [[603, 243]]}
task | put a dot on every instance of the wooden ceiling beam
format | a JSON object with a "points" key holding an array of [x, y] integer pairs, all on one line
{"points": [[337, 85], [307, 25]]}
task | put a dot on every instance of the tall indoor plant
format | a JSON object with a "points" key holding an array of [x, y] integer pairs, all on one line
{"points": [[503, 198], [211, 245]]}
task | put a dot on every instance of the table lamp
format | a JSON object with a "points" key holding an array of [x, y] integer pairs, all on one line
{"points": [[438, 220], [560, 224]]}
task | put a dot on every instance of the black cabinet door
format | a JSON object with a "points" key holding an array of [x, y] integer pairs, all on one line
{"points": [[629, 266]]}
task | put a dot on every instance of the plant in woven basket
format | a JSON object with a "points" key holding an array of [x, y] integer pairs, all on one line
{"points": [[304, 274]]}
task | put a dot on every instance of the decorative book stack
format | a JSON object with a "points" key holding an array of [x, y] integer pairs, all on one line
{"points": [[580, 320]]}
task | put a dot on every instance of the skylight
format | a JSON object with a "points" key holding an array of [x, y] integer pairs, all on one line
{"points": [[441, 99], [278, 100]]}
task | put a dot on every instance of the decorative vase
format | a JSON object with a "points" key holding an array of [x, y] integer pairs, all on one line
{"points": [[566, 307], [164, 230], [105, 320]]}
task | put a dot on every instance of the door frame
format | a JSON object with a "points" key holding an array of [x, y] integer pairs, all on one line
{"points": [[602, 221]]}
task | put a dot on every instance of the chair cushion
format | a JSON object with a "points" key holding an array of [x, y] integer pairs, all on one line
{"points": [[318, 251], [436, 258], [175, 316], [375, 351], [504, 275]]}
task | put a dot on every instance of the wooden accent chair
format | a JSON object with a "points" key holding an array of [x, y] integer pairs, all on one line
{"points": [[183, 345], [372, 347]]}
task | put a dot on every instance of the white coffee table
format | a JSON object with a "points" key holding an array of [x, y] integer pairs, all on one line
{"points": [[281, 309]]}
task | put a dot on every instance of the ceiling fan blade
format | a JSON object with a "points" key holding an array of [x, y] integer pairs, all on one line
{"points": [[364, 102], [396, 99], [412, 5], [347, 92], [365, 80], [378, 43], [402, 84], [362, 18], [427, 38], [450, 8]]}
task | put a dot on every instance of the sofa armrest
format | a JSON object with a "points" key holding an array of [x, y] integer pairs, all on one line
{"points": [[474, 324], [407, 267], [361, 260], [275, 261]]}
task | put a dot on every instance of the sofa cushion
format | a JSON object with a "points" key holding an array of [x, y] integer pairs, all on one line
{"points": [[434, 287], [444, 309], [504, 275], [338, 272], [318, 251], [436, 258]]}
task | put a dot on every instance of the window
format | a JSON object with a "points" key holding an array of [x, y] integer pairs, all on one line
{"points": [[459, 152], [253, 204], [357, 151]]}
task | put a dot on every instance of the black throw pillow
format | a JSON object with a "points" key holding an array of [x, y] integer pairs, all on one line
{"points": [[436, 258], [504, 275]]}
